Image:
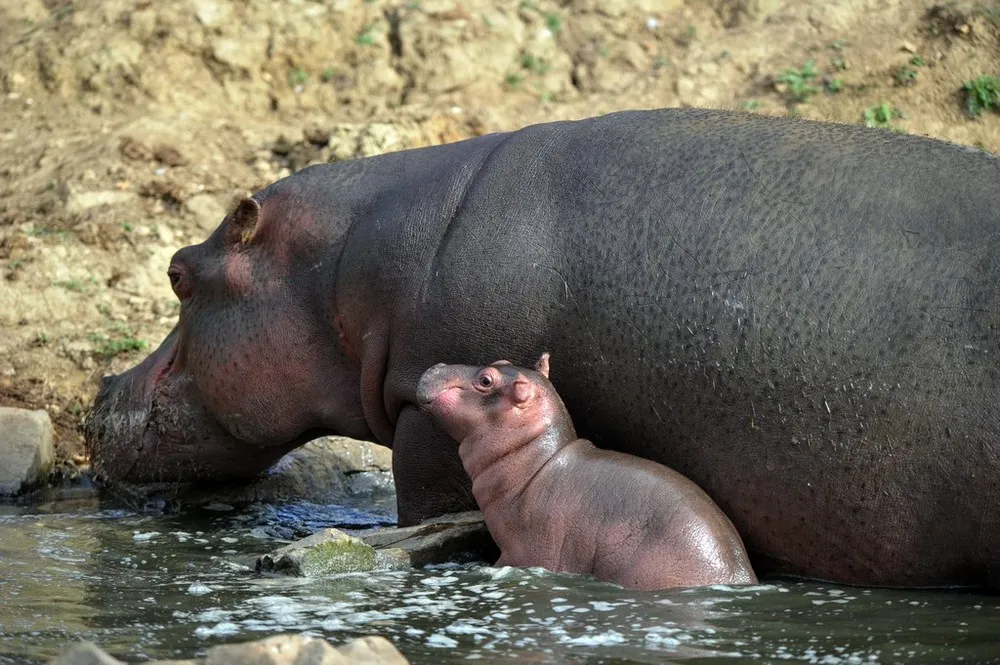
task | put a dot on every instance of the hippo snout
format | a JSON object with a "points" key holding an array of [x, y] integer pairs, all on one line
{"points": [[431, 384]]}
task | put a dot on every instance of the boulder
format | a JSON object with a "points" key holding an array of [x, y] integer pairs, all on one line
{"points": [[277, 650], [321, 471], [25, 448]]}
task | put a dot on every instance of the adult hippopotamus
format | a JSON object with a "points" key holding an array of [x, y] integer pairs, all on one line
{"points": [[800, 317]]}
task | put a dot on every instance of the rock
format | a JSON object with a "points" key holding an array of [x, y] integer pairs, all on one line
{"points": [[276, 650], [77, 202], [25, 448], [326, 552], [85, 653], [373, 649], [351, 456], [240, 54], [321, 471], [448, 538], [735, 13], [458, 536], [169, 155], [206, 210], [210, 13]]}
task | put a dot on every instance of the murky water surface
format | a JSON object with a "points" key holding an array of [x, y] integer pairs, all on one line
{"points": [[169, 586]]}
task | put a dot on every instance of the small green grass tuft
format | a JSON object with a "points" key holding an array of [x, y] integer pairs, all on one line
{"points": [[751, 105], [74, 285], [982, 94], [534, 64], [297, 77], [881, 116], [905, 76], [799, 82], [366, 38], [917, 60], [835, 85], [109, 348], [553, 23]]}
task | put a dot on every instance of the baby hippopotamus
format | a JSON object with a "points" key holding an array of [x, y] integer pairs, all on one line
{"points": [[553, 500]]}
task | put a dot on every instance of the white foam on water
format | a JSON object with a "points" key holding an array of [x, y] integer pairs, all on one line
{"points": [[141, 537], [199, 589], [441, 641], [438, 581], [607, 638], [215, 614], [223, 628]]}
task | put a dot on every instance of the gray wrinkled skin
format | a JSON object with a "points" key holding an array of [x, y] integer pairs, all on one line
{"points": [[800, 317]]}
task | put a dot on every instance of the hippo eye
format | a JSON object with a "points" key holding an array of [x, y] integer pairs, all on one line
{"points": [[180, 285], [486, 381]]}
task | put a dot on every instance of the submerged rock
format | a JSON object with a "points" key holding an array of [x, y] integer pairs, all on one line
{"points": [[277, 650], [323, 553], [453, 537], [25, 448], [448, 538]]}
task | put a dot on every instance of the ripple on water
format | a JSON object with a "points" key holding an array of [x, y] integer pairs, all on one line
{"points": [[146, 585]]}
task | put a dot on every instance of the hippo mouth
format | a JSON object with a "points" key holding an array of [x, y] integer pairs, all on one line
{"points": [[146, 428]]}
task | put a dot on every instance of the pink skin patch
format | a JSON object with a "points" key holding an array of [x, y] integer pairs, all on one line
{"points": [[447, 401]]}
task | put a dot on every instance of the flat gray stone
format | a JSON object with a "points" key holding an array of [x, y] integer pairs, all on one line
{"points": [[448, 538], [25, 448], [453, 537]]}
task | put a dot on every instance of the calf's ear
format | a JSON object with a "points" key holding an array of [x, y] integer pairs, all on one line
{"points": [[542, 366], [520, 392], [243, 223]]}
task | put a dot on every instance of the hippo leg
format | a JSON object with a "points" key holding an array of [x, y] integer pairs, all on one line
{"points": [[430, 479]]}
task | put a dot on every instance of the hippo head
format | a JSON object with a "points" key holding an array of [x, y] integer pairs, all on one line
{"points": [[468, 401], [245, 375]]}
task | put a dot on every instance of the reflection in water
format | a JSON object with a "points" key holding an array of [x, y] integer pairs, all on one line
{"points": [[147, 586]]}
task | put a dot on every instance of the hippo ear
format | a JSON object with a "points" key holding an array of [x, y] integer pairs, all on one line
{"points": [[243, 222], [520, 391], [542, 366], [501, 362]]}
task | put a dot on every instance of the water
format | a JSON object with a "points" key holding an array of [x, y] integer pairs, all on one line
{"points": [[170, 586]]}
